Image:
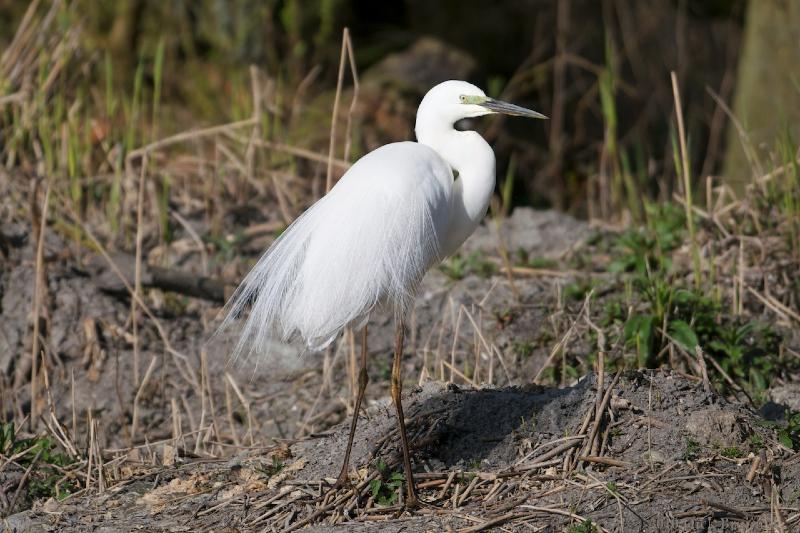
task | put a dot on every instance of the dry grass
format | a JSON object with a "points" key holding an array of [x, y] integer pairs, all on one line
{"points": [[98, 194]]}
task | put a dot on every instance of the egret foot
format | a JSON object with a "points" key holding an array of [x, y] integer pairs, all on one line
{"points": [[342, 482], [412, 502], [419, 503]]}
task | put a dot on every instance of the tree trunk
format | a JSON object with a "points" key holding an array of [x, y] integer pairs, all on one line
{"points": [[767, 99]]}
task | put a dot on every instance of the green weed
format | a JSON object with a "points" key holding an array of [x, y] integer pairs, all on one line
{"points": [[579, 289], [645, 249], [505, 316], [756, 441], [523, 349], [668, 310], [523, 259], [46, 478], [732, 452], [613, 313], [384, 489], [639, 333], [587, 526], [508, 186], [789, 435], [458, 266], [692, 450], [273, 469]]}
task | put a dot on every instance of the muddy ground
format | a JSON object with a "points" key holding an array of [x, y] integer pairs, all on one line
{"points": [[201, 446], [487, 457]]}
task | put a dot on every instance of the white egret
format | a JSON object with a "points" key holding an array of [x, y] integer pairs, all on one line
{"points": [[398, 211]]}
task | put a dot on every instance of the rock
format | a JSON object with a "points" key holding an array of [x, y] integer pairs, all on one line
{"points": [[24, 521], [16, 308], [542, 234], [427, 62], [392, 89], [654, 456], [716, 427], [788, 395], [772, 411]]}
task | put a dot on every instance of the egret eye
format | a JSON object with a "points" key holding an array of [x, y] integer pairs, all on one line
{"points": [[474, 99]]}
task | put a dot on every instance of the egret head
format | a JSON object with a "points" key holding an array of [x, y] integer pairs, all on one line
{"points": [[453, 100]]}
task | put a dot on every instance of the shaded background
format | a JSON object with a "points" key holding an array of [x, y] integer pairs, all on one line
{"points": [[151, 151], [600, 69]]}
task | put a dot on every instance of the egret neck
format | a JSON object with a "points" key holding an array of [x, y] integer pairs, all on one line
{"points": [[473, 160]]}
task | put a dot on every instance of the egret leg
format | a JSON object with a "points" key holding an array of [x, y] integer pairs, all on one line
{"points": [[363, 379], [397, 389]]}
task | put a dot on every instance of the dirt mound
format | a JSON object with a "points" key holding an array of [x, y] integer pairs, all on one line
{"points": [[648, 452], [193, 445]]}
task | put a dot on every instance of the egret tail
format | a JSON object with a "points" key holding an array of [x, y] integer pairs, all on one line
{"points": [[369, 240]]}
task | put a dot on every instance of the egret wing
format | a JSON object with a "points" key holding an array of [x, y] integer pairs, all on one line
{"points": [[370, 239]]}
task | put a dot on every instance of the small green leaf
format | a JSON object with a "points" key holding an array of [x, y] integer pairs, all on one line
{"points": [[758, 379], [683, 335], [375, 487]]}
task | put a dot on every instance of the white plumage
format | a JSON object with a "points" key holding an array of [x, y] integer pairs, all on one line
{"points": [[395, 213], [338, 260]]}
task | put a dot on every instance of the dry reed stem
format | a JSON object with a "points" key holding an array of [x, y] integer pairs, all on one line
{"points": [[89, 454], [229, 410], [255, 132], [39, 283], [15, 46], [188, 136], [591, 444], [562, 513], [209, 393], [502, 250], [354, 100], [245, 405], [456, 329], [137, 272], [95, 447], [604, 461], [335, 112], [201, 248], [250, 154], [137, 397], [543, 272], [744, 138], [687, 181], [302, 153], [58, 432], [601, 353], [561, 344], [176, 421], [74, 414], [490, 349], [770, 302]]}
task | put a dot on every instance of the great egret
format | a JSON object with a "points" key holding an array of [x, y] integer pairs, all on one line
{"points": [[394, 214]]}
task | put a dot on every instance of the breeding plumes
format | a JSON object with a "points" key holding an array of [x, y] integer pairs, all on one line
{"points": [[398, 211]]}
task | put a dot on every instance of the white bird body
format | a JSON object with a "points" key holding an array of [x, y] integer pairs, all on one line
{"points": [[353, 260], [394, 214]]}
